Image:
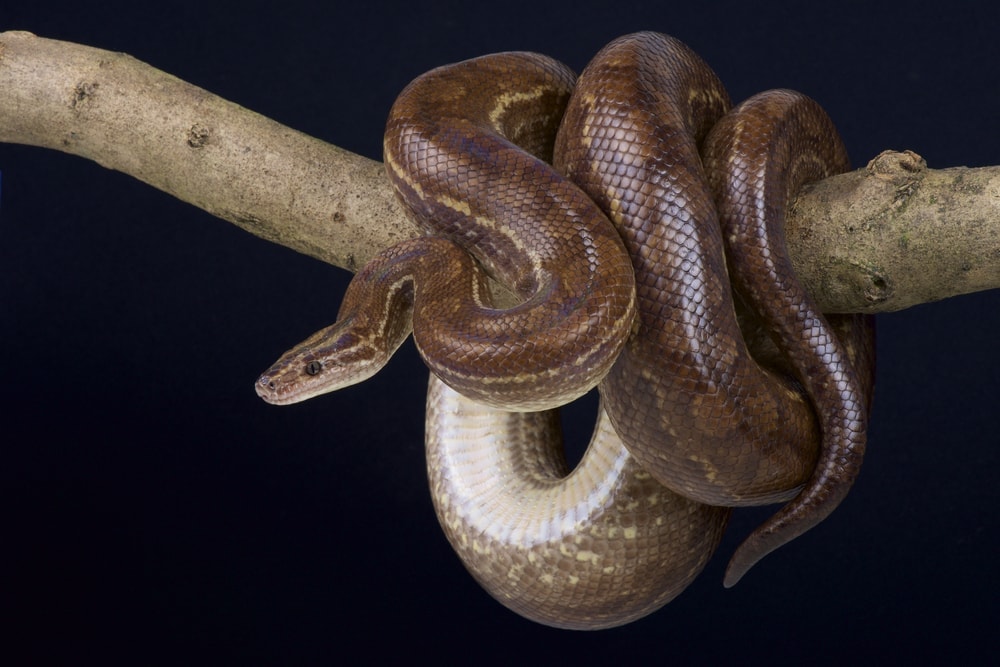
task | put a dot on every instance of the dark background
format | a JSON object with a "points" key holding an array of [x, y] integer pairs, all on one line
{"points": [[155, 510]]}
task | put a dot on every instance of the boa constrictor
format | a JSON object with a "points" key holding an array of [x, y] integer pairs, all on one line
{"points": [[710, 398]]}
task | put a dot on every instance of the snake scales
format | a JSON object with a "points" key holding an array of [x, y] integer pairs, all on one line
{"points": [[692, 422]]}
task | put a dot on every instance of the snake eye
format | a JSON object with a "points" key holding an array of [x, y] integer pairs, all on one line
{"points": [[314, 367]]}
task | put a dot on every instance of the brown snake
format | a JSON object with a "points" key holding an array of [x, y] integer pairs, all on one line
{"points": [[698, 421]]}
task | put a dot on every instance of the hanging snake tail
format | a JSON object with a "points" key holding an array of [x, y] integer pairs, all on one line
{"points": [[836, 470]]}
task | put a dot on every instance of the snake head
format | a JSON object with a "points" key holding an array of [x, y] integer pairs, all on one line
{"points": [[330, 359]]}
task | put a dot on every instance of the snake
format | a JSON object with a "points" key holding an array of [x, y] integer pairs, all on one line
{"points": [[721, 383]]}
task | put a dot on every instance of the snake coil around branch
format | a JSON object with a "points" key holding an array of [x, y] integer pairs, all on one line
{"points": [[711, 397]]}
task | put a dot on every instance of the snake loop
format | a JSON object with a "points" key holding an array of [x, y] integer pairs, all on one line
{"points": [[592, 548]]}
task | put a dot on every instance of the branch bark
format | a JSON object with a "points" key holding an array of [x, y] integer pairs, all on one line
{"points": [[882, 238]]}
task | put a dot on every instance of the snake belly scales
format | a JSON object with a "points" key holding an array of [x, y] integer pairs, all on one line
{"points": [[617, 259]]}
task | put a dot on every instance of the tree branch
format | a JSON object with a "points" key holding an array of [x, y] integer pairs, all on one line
{"points": [[882, 238]]}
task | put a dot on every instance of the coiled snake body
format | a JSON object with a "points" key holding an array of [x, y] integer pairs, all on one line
{"points": [[691, 422]]}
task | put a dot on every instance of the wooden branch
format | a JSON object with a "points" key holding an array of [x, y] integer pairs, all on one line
{"points": [[882, 238]]}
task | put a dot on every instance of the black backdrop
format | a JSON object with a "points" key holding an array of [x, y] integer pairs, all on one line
{"points": [[153, 509]]}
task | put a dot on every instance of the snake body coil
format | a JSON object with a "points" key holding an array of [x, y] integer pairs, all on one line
{"points": [[692, 419]]}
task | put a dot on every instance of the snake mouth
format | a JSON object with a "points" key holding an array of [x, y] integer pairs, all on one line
{"points": [[269, 390], [277, 392]]}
